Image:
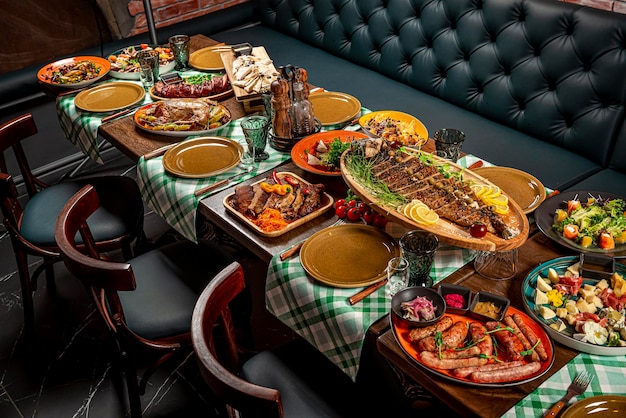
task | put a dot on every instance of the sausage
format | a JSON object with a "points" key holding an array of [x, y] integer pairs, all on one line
{"points": [[466, 371], [509, 342], [508, 320], [531, 336], [508, 374], [481, 339], [417, 334], [461, 353], [450, 338], [432, 360]]}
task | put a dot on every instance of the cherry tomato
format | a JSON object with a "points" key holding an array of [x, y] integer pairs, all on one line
{"points": [[570, 231], [352, 203], [341, 211], [363, 207], [478, 230], [353, 214], [572, 205], [380, 220], [340, 202], [369, 216]]}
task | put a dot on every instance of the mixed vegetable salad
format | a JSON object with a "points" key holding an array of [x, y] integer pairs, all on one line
{"points": [[326, 155]]}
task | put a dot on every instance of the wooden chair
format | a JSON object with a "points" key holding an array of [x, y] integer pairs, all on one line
{"points": [[31, 225], [147, 302], [261, 387]]}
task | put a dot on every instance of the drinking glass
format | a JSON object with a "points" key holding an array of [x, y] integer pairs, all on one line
{"points": [[149, 65], [496, 265], [397, 274], [255, 129], [448, 143], [180, 49], [419, 248]]}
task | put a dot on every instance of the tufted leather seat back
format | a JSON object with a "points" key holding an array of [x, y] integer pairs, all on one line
{"points": [[553, 70]]}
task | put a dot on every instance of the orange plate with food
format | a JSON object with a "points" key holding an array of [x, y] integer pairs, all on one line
{"points": [[394, 126], [73, 73], [510, 363], [309, 155], [247, 199], [420, 190]]}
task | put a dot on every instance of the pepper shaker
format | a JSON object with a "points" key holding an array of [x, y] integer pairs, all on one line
{"points": [[281, 124]]}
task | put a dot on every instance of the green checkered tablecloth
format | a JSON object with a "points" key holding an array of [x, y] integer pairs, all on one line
{"points": [[609, 379]]}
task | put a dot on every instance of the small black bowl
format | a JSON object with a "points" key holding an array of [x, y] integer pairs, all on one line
{"points": [[497, 300], [411, 293], [447, 289]]}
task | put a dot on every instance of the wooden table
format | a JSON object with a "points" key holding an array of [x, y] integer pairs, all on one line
{"points": [[134, 142], [470, 400]]}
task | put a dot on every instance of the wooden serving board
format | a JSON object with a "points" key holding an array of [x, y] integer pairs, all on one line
{"points": [[228, 58], [445, 230]]}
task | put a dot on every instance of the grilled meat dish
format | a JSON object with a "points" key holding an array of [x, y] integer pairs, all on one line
{"points": [[183, 89], [414, 178], [303, 199]]}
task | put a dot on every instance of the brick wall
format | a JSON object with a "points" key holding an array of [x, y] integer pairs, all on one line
{"points": [[617, 6], [167, 12]]}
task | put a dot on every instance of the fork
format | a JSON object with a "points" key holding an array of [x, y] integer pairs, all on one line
{"points": [[577, 387]]}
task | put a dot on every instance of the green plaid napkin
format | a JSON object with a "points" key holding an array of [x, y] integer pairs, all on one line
{"points": [[609, 379]]}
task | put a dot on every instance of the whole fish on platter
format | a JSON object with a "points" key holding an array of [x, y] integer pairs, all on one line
{"points": [[389, 177]]}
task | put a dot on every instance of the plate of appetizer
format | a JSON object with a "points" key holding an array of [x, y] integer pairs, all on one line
{"points": [[522, 187], [582, 313], [182, 117], [585, 221], [208, 86], [108, 97], [476, 352], [74, 73], [202, 157], [420, 190], [333, 108], [392, 125], [125, 66], [277, 204], [320, 153], [349, 255]]}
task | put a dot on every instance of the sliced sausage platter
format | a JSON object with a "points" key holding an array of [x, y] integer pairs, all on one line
{"points": [[513, 375]]}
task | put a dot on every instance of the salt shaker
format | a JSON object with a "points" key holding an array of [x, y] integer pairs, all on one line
{"points": [[281, 123], [301, 110]]}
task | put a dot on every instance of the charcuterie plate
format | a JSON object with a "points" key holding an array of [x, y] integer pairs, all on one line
{"points": [[566, 335], [326, 203], [401, 332], [445, 230]]}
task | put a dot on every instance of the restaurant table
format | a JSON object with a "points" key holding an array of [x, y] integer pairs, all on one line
{"points": [[519, 400]]}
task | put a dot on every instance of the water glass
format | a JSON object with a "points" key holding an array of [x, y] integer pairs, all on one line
{"points": [[255, 130], [180, 49], [448, 143], [149, 65], [397, 275], [419, 248], [496, 265]]}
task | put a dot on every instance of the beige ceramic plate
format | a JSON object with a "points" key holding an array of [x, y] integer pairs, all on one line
{"points": [[526, 190], [109, 96], [207, 59], [333, 108], [202, 157], [348, 255], [604, 406]]}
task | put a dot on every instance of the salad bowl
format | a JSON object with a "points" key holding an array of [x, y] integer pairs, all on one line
{"points": [[308, 147]]}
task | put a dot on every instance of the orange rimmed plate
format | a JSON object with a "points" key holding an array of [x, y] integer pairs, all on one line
{"points": [[45, 73], [401, 331], [300, 151], [334, 108], [419, 127], [202, 157]]}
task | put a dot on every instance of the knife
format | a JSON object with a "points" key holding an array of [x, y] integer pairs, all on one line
{"points": [[352, 300], [118, 114], [207, 189]]}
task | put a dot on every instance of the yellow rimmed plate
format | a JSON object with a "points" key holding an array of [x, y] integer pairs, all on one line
{"points": [[202, 157], [418, 126], [109, 97], [207, 59], [602, 406], [333, 108], [522, 187], [348, 255]]}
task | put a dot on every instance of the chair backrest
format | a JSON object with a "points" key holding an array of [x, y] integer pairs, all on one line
{"points": [[104, 278], [214, 341]]}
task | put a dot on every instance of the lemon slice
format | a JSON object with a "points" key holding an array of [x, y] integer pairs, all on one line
{"points": [[501, 210], [500, 200], [406, 210], [426, 215], [492, 192], [478, 189]]}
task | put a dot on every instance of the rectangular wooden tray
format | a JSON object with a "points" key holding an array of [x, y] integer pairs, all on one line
{"points": [[327, 202], [228, 58]]}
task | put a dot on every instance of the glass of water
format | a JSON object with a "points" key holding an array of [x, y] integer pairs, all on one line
{"points": [[397, 274]]}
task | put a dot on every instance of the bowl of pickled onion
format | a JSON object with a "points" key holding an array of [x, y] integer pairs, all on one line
{"points": [[418, 306]]}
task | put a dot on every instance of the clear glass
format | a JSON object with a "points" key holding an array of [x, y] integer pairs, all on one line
{"points": [[180, 49], [397, 275], [301, 112], [419, 248], [255, 129], [496, 265], [448, 143], [149, 65]]}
